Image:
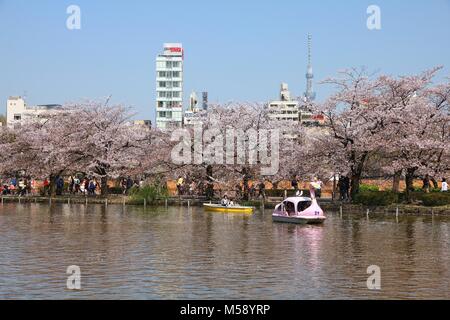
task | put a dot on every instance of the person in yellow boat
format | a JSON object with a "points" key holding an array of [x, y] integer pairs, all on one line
{"points": [[225, 201]]}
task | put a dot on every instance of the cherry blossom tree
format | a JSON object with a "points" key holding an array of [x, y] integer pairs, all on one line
{"points": [[399, 125], [236, 140], [90, 137], [416, 139], [352, 125], [402, 121]]}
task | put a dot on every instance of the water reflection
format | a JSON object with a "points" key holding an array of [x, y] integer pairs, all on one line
{"points": [[181, 253]]}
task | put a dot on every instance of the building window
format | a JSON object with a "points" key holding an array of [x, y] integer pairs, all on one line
{"points": [[17, 117], [165, 114], [162, 84]]}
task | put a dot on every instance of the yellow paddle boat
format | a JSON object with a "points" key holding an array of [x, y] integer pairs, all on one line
{"points": [[227, 209]]}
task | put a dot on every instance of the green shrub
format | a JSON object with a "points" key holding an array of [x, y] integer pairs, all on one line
{"points": [[415, 196], [368, 187], [376, 198], [115, 190], [431, 189], [149, 193], [435, 199]]}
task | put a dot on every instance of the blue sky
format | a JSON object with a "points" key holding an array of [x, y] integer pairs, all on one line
{"points": [[235, 49]]}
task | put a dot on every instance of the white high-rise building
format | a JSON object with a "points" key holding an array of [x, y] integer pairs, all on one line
{"points": [[169, 86], [284, 109]]}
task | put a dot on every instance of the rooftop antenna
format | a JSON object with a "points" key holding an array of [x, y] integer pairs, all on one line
{"points": [[309, 49], [309, 95], [107, 100]]}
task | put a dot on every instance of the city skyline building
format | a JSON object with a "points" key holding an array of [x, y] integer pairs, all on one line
{"points": [[169, 86], [205, 100], [189, 118], [284, 109], [143, 123], [17, 111]]}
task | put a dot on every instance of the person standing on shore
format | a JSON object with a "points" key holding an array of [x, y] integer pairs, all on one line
{"points": [[444, 187], [59, 186], [76, 183], [130, 183], [294, 184], [86, 185], [192, 188], [82, 188], [22, 189], [344, 186], [46, 187], [317, 185], [262, 190], [180, 183], [123, 184], [92, 187], [33, 187], [71, 184]]}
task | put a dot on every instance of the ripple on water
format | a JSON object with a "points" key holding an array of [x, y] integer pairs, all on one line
{"points": [[181, 254]]}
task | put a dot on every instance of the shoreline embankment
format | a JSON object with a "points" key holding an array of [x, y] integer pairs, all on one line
{"points": [[326, 203]]}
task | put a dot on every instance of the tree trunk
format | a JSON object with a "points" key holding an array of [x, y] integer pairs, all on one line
{"points": [[333, 194], [210, 185], [354, 185], [356, 172], [426, 184], [435, 183], [396, 182], [246, 179], [104, 186], [275, 185], [409, 180], [52, 186]]}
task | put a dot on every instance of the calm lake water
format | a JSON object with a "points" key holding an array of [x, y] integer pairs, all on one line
{"points": [[176, 253]]}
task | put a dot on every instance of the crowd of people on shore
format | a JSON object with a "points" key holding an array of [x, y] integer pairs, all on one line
{"points": [[31, 187], [19, 187], [191, 187], [255, 190], [344, 188], [74, 185], [90, 186]]}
